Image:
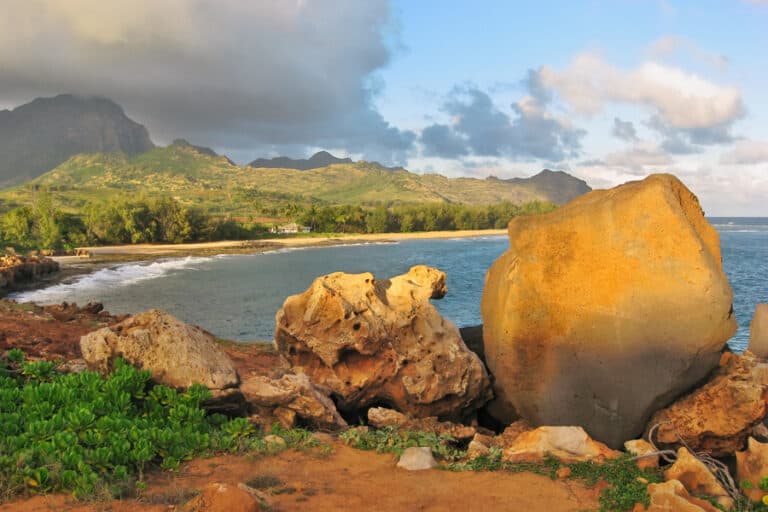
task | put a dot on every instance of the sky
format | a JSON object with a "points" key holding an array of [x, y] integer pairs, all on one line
{"points": [[607, 90]]}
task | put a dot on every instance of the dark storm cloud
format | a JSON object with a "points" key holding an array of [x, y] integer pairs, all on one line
{"points": [[480, 128], [231, 74], [624, 130]]}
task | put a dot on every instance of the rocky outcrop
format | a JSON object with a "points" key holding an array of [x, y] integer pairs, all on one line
{"points": [[718, 417], [16, 270], [606, 309], [751, 468], [377, 342], [758, 332], [569, 444], [177, 354], [697, 479], [294, 393], [671, 496]]}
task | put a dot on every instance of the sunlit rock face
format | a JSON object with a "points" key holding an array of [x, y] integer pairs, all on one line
{"points": [[606, 309]]}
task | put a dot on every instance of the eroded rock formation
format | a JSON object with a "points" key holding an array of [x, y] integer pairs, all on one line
{"points": [[606, 309], [375, 342]]}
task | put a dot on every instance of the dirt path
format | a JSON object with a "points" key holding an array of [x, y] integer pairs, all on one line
{"points": [[348, 479]]}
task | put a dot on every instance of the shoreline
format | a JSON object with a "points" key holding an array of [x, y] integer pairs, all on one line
{"points": [[138, 252]]}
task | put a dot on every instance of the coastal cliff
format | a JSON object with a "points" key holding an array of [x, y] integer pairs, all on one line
{"points": [[15, 270]]}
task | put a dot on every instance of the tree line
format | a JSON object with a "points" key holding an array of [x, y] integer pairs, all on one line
{"points": [[165, 220]]}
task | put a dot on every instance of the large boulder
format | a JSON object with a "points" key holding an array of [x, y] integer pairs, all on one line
{"points": [[718, 416], [606, 309], [758, 332], [177, 354], [374, 342]]}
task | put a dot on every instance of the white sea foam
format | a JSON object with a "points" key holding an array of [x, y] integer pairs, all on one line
{"points": [[122, 275]]}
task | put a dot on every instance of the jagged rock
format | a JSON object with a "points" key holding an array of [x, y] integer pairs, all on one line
{"points": [[671, 496], [569, 444], [718, 417], [512, 432], [296, 393], [752, 466], [382, 417], [696, 478], [417, 458], [15, 269], [758, 332], [642, 447], [372, 342], [606, 309], [177, 354], [286, 417], [219, 497]]}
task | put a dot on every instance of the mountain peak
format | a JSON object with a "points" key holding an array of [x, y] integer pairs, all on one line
{"points": [[318, 160], [40, 135]]}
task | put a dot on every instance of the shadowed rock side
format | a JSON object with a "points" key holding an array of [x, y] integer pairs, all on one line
{"points": [[607, 309], [382, 342], [15, 270]]}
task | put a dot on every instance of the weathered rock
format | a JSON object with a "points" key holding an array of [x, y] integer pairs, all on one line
{"points": [[758, 332], [642, 447], [606, 309], [671, 496], [276, 441], [382, 417], [696, 478], [512, 432], [569, 444], [219, 497], [718, 416], [752, 466], [296, 393], [417, 459], [477, 449], [177, 354], [373, 342], [15, 269]]}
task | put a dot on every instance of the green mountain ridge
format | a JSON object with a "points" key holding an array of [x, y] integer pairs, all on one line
{"points": [[199, 177]]}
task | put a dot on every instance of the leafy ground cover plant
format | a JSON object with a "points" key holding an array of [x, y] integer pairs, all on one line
{"points": [[84, 433]]}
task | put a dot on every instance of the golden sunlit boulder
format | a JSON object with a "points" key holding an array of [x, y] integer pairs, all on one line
{"points": [[671, 496], [758, 332], [373, 342], [606, 309], [752, 467], [697, 479], [569, 444]]}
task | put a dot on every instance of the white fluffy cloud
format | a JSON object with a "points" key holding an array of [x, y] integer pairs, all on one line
{"points": [[234, 74], [681, 99]]}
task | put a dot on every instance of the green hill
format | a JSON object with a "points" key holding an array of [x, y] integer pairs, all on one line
{"points": [[200, 178]]}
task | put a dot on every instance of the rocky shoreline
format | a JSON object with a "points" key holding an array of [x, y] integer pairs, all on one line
{"points": [[594, 353], [18, 270]]}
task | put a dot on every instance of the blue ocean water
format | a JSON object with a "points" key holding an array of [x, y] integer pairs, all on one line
{"points": [[237, 296]]}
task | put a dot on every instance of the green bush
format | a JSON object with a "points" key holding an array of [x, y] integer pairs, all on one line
{"points": [[83, 433]]}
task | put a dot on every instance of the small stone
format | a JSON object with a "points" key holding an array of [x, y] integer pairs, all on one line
{"points": [[218, 497], [563, 473], [671, 496], [417, 459], [642, 447], [569, 444], [380, 417], [477, 449], [275, 441]]}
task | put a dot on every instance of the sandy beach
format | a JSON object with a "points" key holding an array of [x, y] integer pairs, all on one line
{"points": [[102, 254]]}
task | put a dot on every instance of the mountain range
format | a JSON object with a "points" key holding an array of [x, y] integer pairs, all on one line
{"points": [[91, 150]]}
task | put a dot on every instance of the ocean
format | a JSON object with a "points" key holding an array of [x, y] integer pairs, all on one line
{"points": [[236, 296]]}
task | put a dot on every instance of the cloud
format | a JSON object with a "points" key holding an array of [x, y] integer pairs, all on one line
{"points": [[747, 152], [636, 159], [680, 99], [480, 128], [232, 74], [624, 130], [668, 46]]}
